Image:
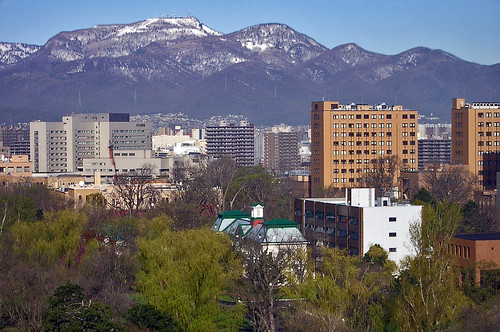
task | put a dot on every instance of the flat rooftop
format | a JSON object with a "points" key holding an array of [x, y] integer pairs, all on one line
{"points": [[479, 236]]}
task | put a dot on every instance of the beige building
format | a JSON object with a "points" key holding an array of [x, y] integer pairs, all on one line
{"points": [[346, 139], [61, 147], [476, 139], [16, 166]]}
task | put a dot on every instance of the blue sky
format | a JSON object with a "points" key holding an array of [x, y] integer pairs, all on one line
{"points": [[469, 29]]}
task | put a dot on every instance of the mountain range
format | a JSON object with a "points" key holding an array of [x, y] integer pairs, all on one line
{"points": [[269, 72]]}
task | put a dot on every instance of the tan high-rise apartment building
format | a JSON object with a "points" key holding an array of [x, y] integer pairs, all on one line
{"points": [[347, 139], [281, 152], [476, 139]]}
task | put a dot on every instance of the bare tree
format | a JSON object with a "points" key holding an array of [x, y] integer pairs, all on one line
{"points": [[451, 183], [383, 178], [207, 183], [134, 190], [263, 279]]}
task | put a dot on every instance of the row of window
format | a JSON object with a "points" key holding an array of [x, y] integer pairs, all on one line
{"points": [[366, 116], [358, 143], [18, 169], [365, 134]]}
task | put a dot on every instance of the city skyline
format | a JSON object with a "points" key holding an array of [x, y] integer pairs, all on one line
{"points": [[465, 29]]}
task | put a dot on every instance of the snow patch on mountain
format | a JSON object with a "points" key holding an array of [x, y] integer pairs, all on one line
{"points": [[11, 53], [124, 39]]}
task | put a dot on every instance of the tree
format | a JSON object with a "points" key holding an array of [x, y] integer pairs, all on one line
{"points": [[70, 311], [255, 185], [134, 190], [423, 196], [24, 288], [428, 297], [260, 289], [474, 220], [147, 316], [208, 183], [452, 183], [383, 179], [183, 273], [56, 238], [346, 292]]}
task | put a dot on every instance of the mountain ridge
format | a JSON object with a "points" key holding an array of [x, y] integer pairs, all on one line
{"points": [[267, 72]]}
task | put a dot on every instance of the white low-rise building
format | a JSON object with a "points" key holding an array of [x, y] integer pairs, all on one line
{"points": [[358, 221]]}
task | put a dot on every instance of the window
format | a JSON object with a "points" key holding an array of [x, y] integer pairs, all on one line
{"points": [[392, 249], [392, 219], [392, 234]]}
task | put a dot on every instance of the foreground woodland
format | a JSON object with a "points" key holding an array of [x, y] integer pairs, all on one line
{"points": [[97, 269]]}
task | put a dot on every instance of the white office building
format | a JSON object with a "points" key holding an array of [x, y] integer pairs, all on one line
{"points": [[62, 146]]}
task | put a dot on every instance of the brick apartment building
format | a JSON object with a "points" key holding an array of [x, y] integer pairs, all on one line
{"points": [[348, 139], [476, 139]]}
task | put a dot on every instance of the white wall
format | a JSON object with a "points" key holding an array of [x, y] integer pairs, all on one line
{"points": [[376, 228]]}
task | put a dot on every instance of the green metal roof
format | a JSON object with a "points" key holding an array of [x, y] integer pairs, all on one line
{"points": [[234, 214], [280, 223], [255, 204]]}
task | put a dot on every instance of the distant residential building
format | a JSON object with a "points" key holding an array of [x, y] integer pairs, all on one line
{"points": [[476, 138], [434, 131], [231, 140], [281, 152], [347, 139], [357, 221], [259, 147], [433, 152], [16, 138], [62, 146]]}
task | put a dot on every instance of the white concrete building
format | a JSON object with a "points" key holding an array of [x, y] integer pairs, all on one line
{"points": [[358, 221], [62, 146]]}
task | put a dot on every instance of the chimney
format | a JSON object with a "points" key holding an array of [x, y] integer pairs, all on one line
{"points": [[257, 214]]}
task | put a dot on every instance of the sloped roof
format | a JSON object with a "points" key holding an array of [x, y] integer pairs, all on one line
{"points": [[276, 231], [280, 223]]}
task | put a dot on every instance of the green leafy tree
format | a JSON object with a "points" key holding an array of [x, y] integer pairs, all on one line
{"points": [[428, 295], [147, 316], [70, 311], [474, 220], [55, 238], [184, 273], [423, 196], [345, 292]]}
